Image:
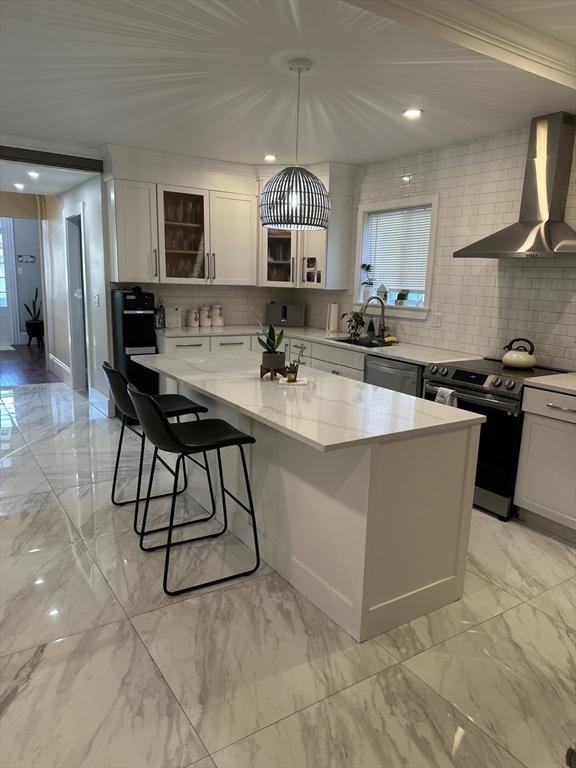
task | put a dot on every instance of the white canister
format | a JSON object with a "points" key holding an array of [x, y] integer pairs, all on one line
{"points": [[172, 317], [217, 316], [205, 317], [192, 318]]}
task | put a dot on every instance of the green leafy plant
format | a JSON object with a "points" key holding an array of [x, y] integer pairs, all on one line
{"points": [[293, 365], [270, 339], [36, 311], [355, 323], [367, 269]]}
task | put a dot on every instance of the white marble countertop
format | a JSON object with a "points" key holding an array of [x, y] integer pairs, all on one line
{"points": [[564, 383], [330, 412], [409, 353]]}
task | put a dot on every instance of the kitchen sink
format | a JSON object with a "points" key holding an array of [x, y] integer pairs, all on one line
{"points": [[370, 343]]}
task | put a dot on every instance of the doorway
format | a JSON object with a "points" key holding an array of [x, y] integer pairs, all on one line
{"points": [[76, 300]]}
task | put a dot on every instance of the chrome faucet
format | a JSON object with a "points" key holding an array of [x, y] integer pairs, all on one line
{"points": [[381, 326]]}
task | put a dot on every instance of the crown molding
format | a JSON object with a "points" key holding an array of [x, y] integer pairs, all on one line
{"points": [[480, 29]]}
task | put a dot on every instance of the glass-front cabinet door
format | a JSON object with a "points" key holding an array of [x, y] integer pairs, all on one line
{"points": [[279, 248], [183, 231]]}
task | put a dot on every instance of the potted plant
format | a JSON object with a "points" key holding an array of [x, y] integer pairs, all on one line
{"points": [[294, 365], [355, 323], [368, 283], [35, 326], [270, 341]]}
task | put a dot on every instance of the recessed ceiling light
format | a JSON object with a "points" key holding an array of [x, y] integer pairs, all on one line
{"points": [[33, 174], [19, 186], [269, 158], [412, 114]]}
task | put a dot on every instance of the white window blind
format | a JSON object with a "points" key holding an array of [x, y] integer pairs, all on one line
{"points": [[397, 244]]}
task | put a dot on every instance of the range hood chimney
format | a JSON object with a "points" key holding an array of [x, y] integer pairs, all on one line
{"points": [[541, 230]]}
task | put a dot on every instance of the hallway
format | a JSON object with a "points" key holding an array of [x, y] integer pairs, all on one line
{"points": [[24, 365]]}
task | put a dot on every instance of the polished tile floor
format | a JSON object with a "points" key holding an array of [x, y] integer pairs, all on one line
{"points": [[100, 669]]}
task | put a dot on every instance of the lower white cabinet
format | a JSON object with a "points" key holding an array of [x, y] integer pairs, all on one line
{"points": [[337, 370], [230, 343], [546, 481]]}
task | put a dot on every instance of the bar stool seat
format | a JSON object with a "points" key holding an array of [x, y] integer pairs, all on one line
{"points": [[185, 440], [178, 405]]}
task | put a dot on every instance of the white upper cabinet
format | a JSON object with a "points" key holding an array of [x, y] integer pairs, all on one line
{"points": [[134, 231], [279, 252], [233, 246]]}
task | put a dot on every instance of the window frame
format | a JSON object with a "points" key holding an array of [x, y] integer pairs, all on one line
{"points": [[361, 237]]}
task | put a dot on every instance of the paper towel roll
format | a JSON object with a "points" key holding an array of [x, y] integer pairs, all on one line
{"points": [[332, 319]]}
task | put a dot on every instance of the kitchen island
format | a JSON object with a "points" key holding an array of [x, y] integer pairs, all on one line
{"points": [[363, 495]]}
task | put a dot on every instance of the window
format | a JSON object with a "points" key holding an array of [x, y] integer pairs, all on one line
{"points": [[396, 247]]}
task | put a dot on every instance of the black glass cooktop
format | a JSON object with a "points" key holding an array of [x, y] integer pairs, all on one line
{"points": [[494, 367]]}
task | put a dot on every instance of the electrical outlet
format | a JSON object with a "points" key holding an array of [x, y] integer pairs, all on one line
{"points": [[96, 298], [436, 321]]}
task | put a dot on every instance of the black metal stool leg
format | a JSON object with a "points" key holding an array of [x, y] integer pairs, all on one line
{"points": [[118, 452]]}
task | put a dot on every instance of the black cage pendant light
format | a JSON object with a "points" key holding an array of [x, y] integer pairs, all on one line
{"points": [[295, 198]]}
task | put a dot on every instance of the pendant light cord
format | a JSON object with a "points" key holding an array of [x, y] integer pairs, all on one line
{"points": [[298, 115]]}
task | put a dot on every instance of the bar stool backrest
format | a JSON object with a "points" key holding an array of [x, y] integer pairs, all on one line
{"points": [[119, 389], [154, 423]]}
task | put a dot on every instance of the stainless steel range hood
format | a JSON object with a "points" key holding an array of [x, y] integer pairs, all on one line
{"points": [[541, 230]]}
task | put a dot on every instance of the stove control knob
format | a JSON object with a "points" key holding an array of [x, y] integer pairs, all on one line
{"points": [[496, 381], [510, 384], [433, 369], [444, 372]]}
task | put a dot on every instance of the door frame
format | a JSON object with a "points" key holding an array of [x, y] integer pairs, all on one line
{"points": [[80, 375], [10, 275]]}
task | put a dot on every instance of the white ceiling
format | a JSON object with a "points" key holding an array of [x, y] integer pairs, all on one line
{"points": [[51, 181], [555, 18], [209, 78]]}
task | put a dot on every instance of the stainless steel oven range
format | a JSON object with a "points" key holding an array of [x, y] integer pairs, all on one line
{"points": [[488, 387]]}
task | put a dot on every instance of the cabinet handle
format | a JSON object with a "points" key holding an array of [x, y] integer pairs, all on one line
{"points": [[213, 266], [189, 345], [561, 408], [207, 266], [155, 261], [292, 275], [230, 343]]}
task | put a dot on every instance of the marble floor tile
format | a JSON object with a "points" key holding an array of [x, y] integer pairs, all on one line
{"points": [[20, 474], [93, 513], [40, 395], [5, 418], [205, 762], [136, 576], [515, 677], [100, 434], [33, 521], [520, 560], [387, 721], [481, 601], [51, 593], [41, 423], [11, 440], [239, 659], [559, 602], [94, 700]]}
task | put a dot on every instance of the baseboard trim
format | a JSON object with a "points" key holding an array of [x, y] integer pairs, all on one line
{"points": [[60, 369], [101, 402]]}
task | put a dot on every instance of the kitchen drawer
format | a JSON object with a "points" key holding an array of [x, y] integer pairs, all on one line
{"points": [[189, 344], [230, 343], [347, 357], [551, 404], [338, 370]]}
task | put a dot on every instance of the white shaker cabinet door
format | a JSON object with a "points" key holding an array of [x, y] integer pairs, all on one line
{"points": [[134, 220], [233, 247], [546, 482]]}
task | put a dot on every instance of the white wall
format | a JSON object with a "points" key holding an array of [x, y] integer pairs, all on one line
{"points": [[90, 194], [483, 303]]}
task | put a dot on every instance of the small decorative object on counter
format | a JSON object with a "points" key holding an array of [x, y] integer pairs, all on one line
{"points": [[401, 298], [519, 354], [205, 317], [217, 316], [160, 316], [370, 332], [294, 365], [192, 318], [382, 292], [172, 317], [273, 361], [355, 323]]}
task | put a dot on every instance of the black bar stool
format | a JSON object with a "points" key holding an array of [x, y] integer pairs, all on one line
{"points": [[186, 440], [171, 406]]}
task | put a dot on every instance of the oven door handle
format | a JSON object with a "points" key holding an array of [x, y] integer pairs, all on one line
{"points": [[489, 402]]}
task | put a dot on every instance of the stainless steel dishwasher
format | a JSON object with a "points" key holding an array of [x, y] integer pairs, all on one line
{"points": [[392, 374]]}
